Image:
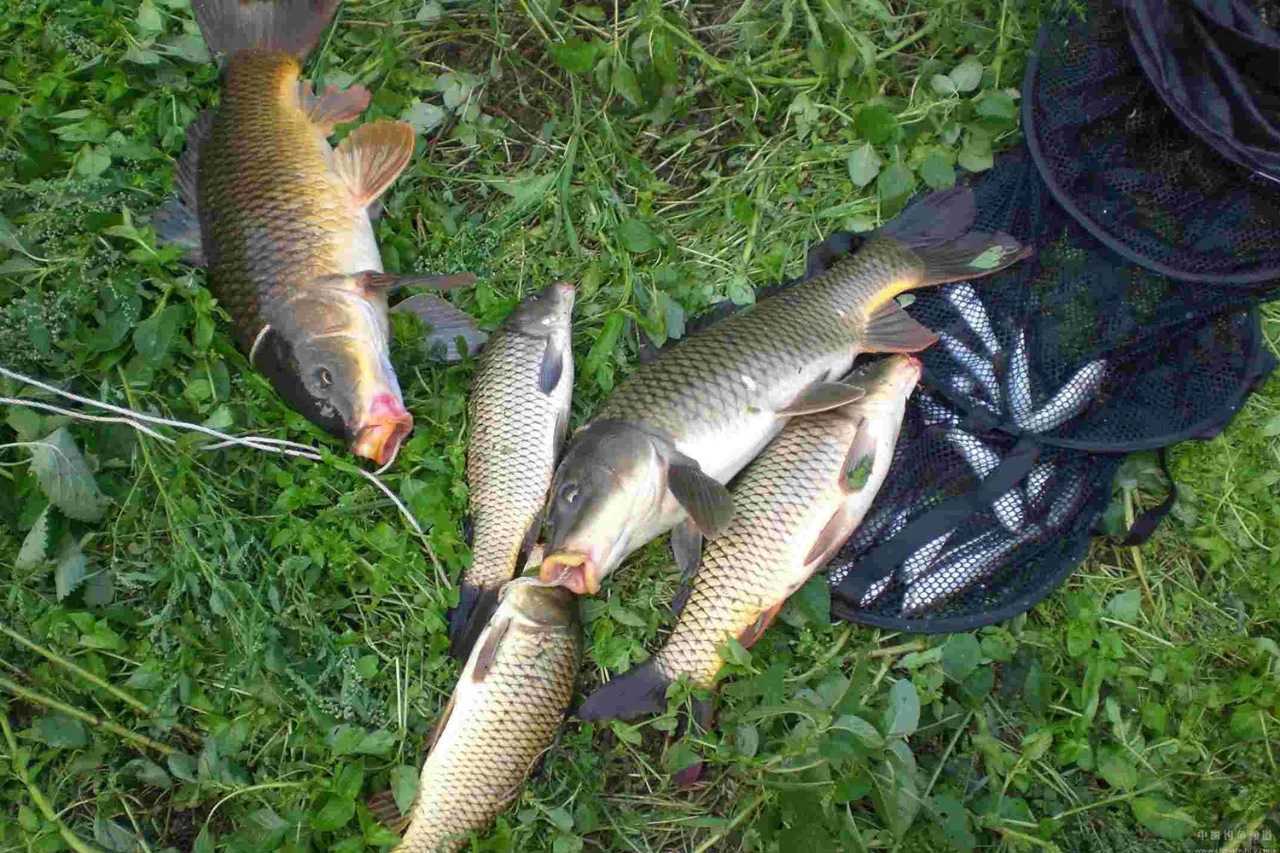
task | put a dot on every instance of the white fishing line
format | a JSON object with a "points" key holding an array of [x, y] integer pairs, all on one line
{"points": [[137, 420]]}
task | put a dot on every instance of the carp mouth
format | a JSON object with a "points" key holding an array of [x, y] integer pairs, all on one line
{"points": [[574, 570], [381, 434]]}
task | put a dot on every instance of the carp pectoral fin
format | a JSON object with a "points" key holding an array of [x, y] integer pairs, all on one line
{"points": [[822, 397], [836, 532], [757, 628], [176, 225], [334, 107], [706, 500], [686, 547], [552, 366], [476, 606], [890, 329], [642, 690], [372, 157], [187, 174], [446, 323], [974, 255], [485, 656]]}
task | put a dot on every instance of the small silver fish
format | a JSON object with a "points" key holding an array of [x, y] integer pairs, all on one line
{"points": [[1072, 399], [896, 519], [976, 365], [935, 413], [1037, 480], [1067, 504], [874, 591], [983, 460], [919, 562], [956, 571], [969, 306], [1018, 379]]}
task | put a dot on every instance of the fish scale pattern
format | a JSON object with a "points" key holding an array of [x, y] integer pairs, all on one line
{"points": [[700, 387], [512, 452], [273, 216], [792, 487], [496, 730]]}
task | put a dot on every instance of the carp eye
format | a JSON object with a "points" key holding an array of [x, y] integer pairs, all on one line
{"points": [[323, 377], [569, 493]]}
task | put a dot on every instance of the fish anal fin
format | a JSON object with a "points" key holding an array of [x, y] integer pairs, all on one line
{"points": [[756, 629], [373, 156], [176, 224], [446, 323], [705, 499], [822, 397], [891, 329], [334, 106], [187, 173]]}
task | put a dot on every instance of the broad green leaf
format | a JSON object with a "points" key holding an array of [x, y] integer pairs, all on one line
{"points": [[155, 335], [746, 740], [864, 731], [895, 185], [961, 655], [604, 343], [345, 739], [1246, 723], [903, 713], [636, 236], [335, 814], [148, 772], [876, 123], [367, 666], [967, 75], [626, 733], [975, 155], [189, 46], [950, 813], [997, 105], [429, 11], [37, 545], [204, 841], [937, 171], [183, 767], [149, 20], [100, 589], [64, 477], [1116, 766], [25, 422], [943, 84], [561, 818], [1163, 817], [423, 117], [574, 54], [59, 730], [350, 780], [380, 742], [93, 160], [810, 604], [404, 786], [28, 819], [864, 165], [623, 615], [1125, 606], [732, 651], [113, 836], [624, 81], [71, 568]]}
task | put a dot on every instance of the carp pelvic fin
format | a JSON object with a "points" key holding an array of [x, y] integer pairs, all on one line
{"points": [[822, 397], [756, 629], [334, 107], [476, 606], [372, 157], [642, 690], [446, 324], [291, 26], [891, 329]]}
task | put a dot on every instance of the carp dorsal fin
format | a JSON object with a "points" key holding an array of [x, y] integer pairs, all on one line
{"points": [[822, 397], [177, 221], [891, 329], [373, 156], [334, 107], [175, 224]]}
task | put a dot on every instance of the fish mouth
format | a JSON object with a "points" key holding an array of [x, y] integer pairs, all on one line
{"points": [[383, 431], [573, 570]]}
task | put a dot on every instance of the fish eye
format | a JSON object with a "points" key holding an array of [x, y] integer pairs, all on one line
{"points": [[569, 493], [323, 377]]}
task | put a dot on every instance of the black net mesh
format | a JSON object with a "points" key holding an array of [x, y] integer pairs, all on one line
{"points": [[1116, 156]]}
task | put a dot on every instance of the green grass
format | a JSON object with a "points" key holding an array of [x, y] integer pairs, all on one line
{"points": [[243, 647]]}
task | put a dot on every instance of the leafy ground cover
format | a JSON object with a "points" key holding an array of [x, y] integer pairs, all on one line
{"points": [[228, 650]]}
